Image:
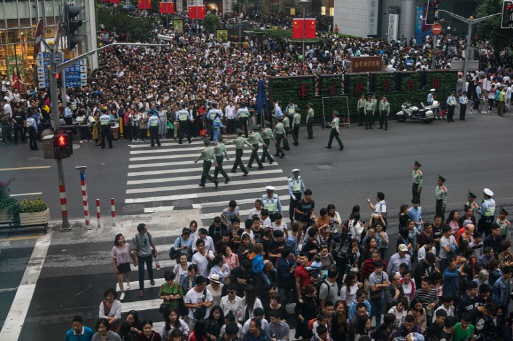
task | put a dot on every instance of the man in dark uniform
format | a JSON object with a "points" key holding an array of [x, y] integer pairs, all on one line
{"points": [[441, 197], [267, 136], [239, 150], [417, 180], [220, 152], [18, 120], [207, 155], [105, 128]]}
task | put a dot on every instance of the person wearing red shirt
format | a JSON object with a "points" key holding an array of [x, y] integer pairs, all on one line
{"points": [[302, 275], [368, 265]]}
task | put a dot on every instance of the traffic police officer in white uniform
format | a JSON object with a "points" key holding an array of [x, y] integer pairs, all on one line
{"points": [[153, 127], [296, 187], [183, 117], [487, 213], [271, 202], [105, 128]]}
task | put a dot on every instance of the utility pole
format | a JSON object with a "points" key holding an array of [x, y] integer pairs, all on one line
{"points": [[304, 3]]}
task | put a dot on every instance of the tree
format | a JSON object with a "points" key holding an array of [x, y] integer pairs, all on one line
{"points": [[491, 28], [211, 22], [139, 29]]}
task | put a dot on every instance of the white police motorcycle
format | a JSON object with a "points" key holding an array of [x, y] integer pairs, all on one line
{"points": [[409, 111]]}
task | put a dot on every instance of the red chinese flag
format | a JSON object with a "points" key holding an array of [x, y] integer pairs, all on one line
{"points": [[141, 4], [192, 12], [297, 28], [310, 25], [201, 12], [162, 8], [114, 1], [170, 7]]}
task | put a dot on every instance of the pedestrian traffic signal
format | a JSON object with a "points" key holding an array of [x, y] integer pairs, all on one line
{"points": [[432, 12], [71, 26], [62, 144], [507, 11]]}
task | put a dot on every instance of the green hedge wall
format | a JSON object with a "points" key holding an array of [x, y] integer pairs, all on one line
{"points": [[398, 87]]}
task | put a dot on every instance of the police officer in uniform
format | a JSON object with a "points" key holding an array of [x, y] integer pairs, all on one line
{"points": [[487, 213], [451, 105], [239, 150], [430, 99], [463, 105], [286, 126], [384, 112], [31, 125], [267, 136], [217, 125], [471, 202], [271, 202], [207, 155], [211, 116], [416, 189], [153, 126], [296, 122], [441, 197], [296, 187], [183, 117], [243, 117], [361, 110], [370, 107], [309, 120], [279, 133], [254, 139], [105, 128], [335, 131], [220, 152]]}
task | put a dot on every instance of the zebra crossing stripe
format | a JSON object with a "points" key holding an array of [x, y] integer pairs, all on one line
{"points": [[179, 170]]}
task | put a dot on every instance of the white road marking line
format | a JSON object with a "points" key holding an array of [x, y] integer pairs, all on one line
{"points": [[201, 195], [16, 317], [163, 149], [171, 156], [168, 143], [135, 284], [184, 170], [174, 188], [195, 177], [140, 305], [8, 290], [241, 212], [165, 164], [25, 194]]}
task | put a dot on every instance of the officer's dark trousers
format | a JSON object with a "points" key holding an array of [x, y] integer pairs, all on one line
{"points": [[334, 134], [254, 157], [205, 175], [106, 133], [368, 119], [383, 120], [154, 136], [32, 138], [238, 161], [266, 154], [414, 193], [219, 168], [309, 128], [279, 150]]}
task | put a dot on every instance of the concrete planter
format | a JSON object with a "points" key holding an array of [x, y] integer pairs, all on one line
{"points": [[35, 218], [4, 216]]}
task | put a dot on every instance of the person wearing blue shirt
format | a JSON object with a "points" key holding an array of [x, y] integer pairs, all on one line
{"points": [[415, 213], [217, 125], [68, 115], [78, 331], [452, 276], [277, 111], [502, 290], [211, 116]]}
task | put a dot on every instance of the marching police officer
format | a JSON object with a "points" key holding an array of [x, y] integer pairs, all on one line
{"points": [[451, 105], [267, 136], [220, 151], [183, 117], [207, 155], [296, 122], [239, 150], [370, 107], [335, 130], [296, 187], [361, 110], [243, 117], [416, 188], [254, 139], [31, 125], [105, 128], [309, 120], [279, 133], [463, 105], [153, 126], [441, 197], [384, 112], [286, 126], [271, 202], [487, 213]]}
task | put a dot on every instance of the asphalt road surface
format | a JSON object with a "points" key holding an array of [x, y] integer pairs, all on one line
{"points": [[160, 186]]}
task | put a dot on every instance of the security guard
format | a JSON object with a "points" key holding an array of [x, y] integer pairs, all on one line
{"points": [[254, 139], [361, 110], [487, 213], [384, 112], [271, 202], [153, 126], [463, 105], [243, 117], [31, 125], [416, 189], [286, 126], [451, 105], [296, 123], [309, 120], [291, 109], [267, 136], [182, 120], [105, 128], [207, 155], [441, 197], [335, 130], [216, 126], [220, 152], [370, 107], [472, 203], [296, 187], [504, 224], [211, 116], [239, 150], [279, 132]]}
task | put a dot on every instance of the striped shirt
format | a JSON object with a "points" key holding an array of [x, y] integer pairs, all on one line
{"points": [[368, 268], [425, 297]]}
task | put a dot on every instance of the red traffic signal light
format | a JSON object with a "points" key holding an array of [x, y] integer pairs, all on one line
{"points": [[507, 11], [62, 143]]}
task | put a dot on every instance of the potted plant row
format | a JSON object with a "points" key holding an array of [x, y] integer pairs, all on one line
{"points": [[25, 213]]}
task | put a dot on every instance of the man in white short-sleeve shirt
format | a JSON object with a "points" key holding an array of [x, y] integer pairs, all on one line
{"points": [[198, 297]]}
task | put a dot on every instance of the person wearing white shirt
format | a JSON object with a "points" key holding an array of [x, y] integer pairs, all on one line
{"points": [[198, 297], [230, 112], [202, 258], [428, 247], [209, 242], [380, 209], [255, 210], [232, 302]]}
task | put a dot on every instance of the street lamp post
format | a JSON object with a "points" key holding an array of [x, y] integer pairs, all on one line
{"points": [[304, 3]]}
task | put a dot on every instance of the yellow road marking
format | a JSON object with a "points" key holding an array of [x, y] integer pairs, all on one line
{"points": [[20, 238], [24, 168]]}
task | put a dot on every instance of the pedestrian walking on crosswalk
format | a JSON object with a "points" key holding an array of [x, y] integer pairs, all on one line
{"points": [[279, 132], [207, 155], [239, 150], [146, 250], [267, 136], [255, 139], [220, 153]]}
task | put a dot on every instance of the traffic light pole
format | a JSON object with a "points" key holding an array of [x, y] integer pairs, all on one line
{"points": [[470, 22]]}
